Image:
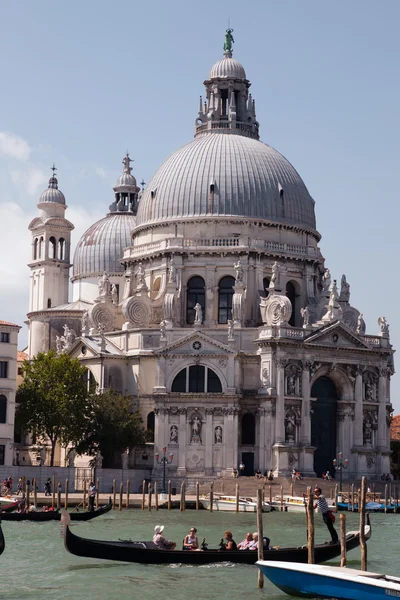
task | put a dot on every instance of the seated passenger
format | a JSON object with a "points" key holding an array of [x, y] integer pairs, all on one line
{"points": [[254, 544], [244, 545], [191, 542], [160, 540], [230, 542], [258, 474]]}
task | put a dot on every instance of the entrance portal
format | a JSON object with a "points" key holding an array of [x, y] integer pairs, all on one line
{"points": [[248, 461], [323, 424]]}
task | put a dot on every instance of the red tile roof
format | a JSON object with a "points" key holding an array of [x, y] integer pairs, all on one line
{"points": [[9, 324], [395, 428], [21, 356]]}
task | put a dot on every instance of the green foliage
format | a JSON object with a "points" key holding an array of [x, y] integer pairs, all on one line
{"points": [[53, 399], [112, 427]]}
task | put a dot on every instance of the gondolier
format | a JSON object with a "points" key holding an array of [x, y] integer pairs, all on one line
{"points": [[92, 495], [327, 515]]}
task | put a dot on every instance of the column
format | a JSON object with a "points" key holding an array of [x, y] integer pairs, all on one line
{"points": [[182, 442], [235, 432], [280, 402], [382, 425], [358, 416], [208, 441], [305, 437], [160, 376]]}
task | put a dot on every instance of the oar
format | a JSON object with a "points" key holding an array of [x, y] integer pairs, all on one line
{"points": [[77, 506]]}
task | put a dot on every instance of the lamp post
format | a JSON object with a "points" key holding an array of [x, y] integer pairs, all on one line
{"points": [[339, 465], [164, 462]]}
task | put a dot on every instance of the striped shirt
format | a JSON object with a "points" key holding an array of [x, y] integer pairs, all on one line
{"points": [[322, 504]]}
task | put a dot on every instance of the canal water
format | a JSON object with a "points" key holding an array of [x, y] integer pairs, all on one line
{"points": [[35, 564]]}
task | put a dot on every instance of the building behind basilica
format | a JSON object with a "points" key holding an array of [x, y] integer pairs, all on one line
{"points": [[207, 298]]}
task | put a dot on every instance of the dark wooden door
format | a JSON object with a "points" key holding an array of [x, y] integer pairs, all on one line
{"points": [[323, 424], [248, 461]]}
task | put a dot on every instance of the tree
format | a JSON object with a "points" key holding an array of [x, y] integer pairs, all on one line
{"points": [[53, 399], [112, 427]]}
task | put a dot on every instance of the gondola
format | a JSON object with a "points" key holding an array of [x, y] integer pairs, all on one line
{"points": [[2, 541], [148, 553], [42, 517], [12, 506]]}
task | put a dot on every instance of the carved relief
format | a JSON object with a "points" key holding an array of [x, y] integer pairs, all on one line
{"points": [[218, 434], [136, 311], [173, 434]]}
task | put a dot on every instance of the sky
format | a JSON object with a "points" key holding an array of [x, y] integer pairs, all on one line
{"points": [[82, 82]]}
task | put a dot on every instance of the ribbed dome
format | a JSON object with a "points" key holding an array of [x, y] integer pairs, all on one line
{"points": [[125, 180], [250, 179], [228, 68], [101, 246], [52, 194]]}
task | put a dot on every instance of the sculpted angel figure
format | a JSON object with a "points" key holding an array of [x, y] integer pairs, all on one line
{"points": [[85, 320], [59, 344], [198, 313], [305, 313], [140, 274], [114, 294], [344, 286], [239, 271], [231, 334], [172, 271], [163, 329], [359, 323], [275, 274], [383, 324], [326, 280], [196, 429]]}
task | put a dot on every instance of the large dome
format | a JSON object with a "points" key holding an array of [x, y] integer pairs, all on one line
{"points": [[101, 246], [247, 177]]}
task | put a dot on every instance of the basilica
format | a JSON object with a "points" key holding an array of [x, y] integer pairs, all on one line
{"points": [[206, 297]]}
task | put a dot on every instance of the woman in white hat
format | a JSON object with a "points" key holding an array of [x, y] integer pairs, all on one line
{"points": [[160, 540]]}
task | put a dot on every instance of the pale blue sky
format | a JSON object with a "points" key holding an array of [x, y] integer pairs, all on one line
{"points": [[84, 81]]}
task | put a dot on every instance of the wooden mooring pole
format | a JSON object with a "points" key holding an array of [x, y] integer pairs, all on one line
{"points": [[53, 489], [281, 498], [237, 497], [291, 489], [169, 494], [121, 493], [386, 497], [310, 527], [84, 494], [182, 502], [270, 493], [211, 496], [336, 497], [361, 510], [197, 495], [260, 498], [127, 493], [27, 492], [66, 494], [35, 492], [97, 492], [155, 496], [149, 495], [352, 497], [343, 551], [143, 494]]}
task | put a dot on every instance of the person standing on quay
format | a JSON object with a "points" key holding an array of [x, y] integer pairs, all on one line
{"points": [[92, 495], [327, 515]]}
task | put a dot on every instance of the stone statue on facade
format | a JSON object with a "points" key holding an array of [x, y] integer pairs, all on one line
{"points": [[344, 288], [275, 275], [326, 284], [114, 294], [172, 271], [163, 327], [125, 459], [290, 427], [196, 430], [231, 332], [218, 434], [367, 433], [239, 271], [198, 319], [85, 321], [291, 385], [383, 324], [69, 337], [59, 344], [126, 161], [369, 391], [305, 313], [228, 40], [173, 434], [360, 324], [104, 285], [140, 276]]}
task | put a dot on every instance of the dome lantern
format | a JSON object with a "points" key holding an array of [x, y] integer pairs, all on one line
{"points": [[52, 194], [126, 190]]}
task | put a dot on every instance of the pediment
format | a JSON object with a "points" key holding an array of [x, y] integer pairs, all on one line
{"points": [[196, 343], [85, 348], [336, 335]]}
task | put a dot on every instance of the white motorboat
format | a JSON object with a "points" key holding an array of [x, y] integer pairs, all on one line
{"points": [[317, 581], [228, 503], [291, 503]]}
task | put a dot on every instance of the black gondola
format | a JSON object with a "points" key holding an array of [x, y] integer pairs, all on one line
{"points": [[148, 553], [43, 517], [2, 541]]}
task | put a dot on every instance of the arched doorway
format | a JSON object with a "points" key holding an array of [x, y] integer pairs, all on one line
{"points": [[323, 424]]}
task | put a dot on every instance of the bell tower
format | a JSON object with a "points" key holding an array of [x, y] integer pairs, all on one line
{"points": [[51, 246]]}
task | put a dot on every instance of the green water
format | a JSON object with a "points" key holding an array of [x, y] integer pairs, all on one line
{"points": [[35, 564]]}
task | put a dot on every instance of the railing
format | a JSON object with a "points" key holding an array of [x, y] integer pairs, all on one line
{"points": [[219, 242], [248, 128], [372, 340]]}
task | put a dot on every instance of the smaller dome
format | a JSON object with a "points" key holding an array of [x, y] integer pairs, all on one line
{"points": [[126, 180], [52, 194], [227, 68]]}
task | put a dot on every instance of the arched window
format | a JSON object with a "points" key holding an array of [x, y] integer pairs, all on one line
{"points": [[248, 430], [89, 378], [291, 294], [225, 296], [3, 409], [195, 294], [61, 248], [150, 423], [52, 247], [266, 283], [41, 247], [197, 379], [35, 249]]}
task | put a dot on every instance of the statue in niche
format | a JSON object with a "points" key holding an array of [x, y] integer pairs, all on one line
{"points": [[275, 275], [367, 433], [326, 284], [140, 275], [114, 294], [265, 376], [218, 434], [291, 385], [290, 427], [305, 313], [173, 434], [196, 430], [231, 333], [172, 271], [198, 319], [369, 391], [239, 271], [360, 323], [344, 286], [383, 324]]}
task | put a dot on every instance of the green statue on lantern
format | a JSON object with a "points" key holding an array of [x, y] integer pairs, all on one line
{"points": [[228, 40]]}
